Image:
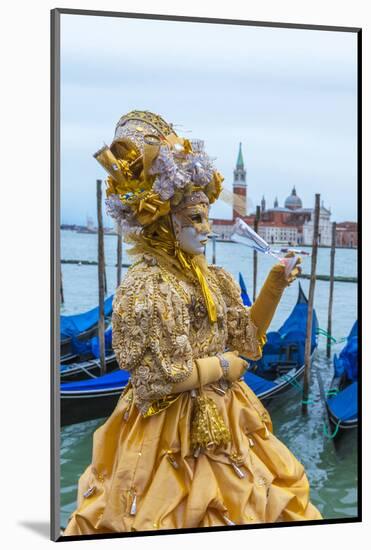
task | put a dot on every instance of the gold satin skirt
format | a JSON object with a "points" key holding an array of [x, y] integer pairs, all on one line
{"points": [[144, 476]]}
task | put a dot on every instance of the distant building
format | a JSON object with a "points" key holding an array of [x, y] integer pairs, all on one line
{"points": [[290, 224], [239, 184], [347, 234]]}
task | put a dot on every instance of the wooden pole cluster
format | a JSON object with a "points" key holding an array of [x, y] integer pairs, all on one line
{"points": [[101, 279], [308, 339], [331, 293], [119, 254], [255, 254]]}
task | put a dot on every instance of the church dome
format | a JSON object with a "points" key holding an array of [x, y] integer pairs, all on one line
{"points": [[293, 201]]}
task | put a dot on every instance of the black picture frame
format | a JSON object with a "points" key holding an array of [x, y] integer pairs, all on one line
{"points": [[56, 257]]}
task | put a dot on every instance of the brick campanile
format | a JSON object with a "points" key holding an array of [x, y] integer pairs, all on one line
{"points": [[239, 186]]}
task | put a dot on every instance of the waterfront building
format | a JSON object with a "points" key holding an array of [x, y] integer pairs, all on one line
{"points": [[347, 234], [289, 224]]}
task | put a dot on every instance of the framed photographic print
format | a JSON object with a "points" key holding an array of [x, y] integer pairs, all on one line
{"points": [[206, 364]]}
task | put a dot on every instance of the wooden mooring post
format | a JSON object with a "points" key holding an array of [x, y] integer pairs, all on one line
{"points": [[214, 249], [62, 293], [312, 284], [119, 254], [255, 254], [101, 278], [331, 292], [104, 275]]}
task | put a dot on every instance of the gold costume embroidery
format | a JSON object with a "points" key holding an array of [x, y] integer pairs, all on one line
{"points": [[160, 325], [150, 326]]}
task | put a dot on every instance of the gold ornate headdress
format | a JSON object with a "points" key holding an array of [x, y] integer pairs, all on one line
{"points": [[151, 169], [153, 172]]}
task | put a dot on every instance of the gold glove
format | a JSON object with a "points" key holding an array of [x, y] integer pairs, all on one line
{"points": [[211, 371], [296, 269], [237, 367], [265, 305]]}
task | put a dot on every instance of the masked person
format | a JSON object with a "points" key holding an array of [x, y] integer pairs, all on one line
{"points": [[189, 444]]}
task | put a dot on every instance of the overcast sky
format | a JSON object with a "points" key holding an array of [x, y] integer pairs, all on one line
{"points": [[288, 95]]}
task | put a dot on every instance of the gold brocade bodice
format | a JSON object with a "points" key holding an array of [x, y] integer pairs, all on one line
{"points": [[160, 325]]}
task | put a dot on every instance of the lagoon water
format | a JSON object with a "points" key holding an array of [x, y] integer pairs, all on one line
{"points": [[332, 475]]}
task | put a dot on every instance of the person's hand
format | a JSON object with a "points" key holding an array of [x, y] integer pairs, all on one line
{"points": [[296, 270], [237, 365], [277, 278]]}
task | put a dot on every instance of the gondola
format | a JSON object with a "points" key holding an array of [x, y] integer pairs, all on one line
{"points": [[87, 364], [342, 397], [91, 398], [90, 368], [79, 328], [282, 366], [88, 349]]}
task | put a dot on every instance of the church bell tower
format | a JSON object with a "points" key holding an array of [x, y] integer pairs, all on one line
{"points": [[239, 186]]}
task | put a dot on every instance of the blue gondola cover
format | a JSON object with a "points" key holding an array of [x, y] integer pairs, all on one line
{"points": [[258, 384], [91, 347], [72, 325], [112, 380], [347, 361], [245, 297], [344, 406]]}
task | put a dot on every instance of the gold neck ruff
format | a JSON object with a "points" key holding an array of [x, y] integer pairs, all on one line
{"points": [[163, 244]]}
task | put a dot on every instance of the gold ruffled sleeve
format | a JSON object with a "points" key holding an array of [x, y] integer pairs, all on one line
{"points": [[242, 332], [150, 335]]}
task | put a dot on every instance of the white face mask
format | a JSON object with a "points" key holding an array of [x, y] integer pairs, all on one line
{"points": [[192, 228]]}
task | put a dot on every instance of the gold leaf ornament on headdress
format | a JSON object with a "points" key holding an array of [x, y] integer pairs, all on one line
{"points": [[149, 207], [214, 188], [146, 205]]}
